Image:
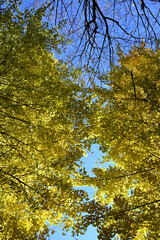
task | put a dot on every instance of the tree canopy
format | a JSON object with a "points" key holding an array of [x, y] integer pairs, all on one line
{"points": [[127, 203], [49, 117], [44, 111]]}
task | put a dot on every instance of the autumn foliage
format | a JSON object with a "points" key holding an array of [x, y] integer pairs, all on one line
{"points": [[127, 129], [49, 117]]}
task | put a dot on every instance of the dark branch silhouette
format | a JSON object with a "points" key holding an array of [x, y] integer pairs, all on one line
{"points": [[98, 27]]}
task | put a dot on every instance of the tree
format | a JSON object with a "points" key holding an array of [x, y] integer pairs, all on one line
{"points": [[44, 132], [48, 120], [127, 204], [97, 27]]}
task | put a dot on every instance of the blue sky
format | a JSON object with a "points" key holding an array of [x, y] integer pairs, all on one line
{"points": [[88, 162], [90, 234]]}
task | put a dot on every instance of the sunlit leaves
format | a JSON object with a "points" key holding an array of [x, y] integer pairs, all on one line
{"points": [[43, 130], [128, 133], [49, 119]]}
